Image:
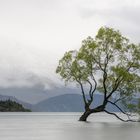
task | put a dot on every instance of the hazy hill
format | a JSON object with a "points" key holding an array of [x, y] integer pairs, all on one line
{"points": [[5, 98], [61, 103], [68, 103], [33, 95]]}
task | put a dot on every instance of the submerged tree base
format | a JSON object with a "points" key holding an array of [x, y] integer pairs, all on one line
{"points": [[86, 114], [91, 111]]}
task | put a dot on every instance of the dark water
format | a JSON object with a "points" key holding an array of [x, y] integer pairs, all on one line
{"points": [[64, 126]]}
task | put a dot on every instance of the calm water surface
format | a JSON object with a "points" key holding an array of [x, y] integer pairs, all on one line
{"points": [[64, 126]]}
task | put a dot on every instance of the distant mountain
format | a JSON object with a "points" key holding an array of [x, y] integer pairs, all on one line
{"points": [[30, 95], [34, 95], [5, 98], [68, 103], [62, 103]]}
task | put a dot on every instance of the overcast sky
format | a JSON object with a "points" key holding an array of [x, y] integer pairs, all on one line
{"points": [[34, 34]]}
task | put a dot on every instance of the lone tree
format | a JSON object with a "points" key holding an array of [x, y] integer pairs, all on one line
{"points": [[109, 64]]}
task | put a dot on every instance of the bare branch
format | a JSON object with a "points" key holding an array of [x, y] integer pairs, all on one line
{"points": [[129, 120], [105, 75], [83, 93], [95, 85], [119, 99], [120, 109], [90, 90]]}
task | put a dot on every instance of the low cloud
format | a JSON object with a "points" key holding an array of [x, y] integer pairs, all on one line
{"points": [[121, 15], [35, 34], [26, 66]]}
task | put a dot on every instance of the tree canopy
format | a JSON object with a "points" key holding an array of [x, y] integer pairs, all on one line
{"points": [[108, 63]]}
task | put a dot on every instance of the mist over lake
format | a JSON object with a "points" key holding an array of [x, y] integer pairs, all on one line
{"points": [[65, 126]]}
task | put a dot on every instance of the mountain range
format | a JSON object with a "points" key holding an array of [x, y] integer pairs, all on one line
{"points": [[61, 103], [34, 95]]}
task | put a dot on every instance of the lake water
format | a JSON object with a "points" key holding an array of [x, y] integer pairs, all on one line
{"points": [[64, 126]]}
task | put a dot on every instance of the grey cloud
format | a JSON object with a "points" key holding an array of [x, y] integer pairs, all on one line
{"points": [[125, 18], [36, 33], [130, 14], [22, 66], [27, 79]]}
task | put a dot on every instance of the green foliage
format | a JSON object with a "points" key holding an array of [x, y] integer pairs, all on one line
{"points": [[12, 106], [109, 59]]}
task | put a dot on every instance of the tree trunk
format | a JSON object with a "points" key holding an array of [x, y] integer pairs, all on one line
{"points": [[85, 116], [90, 111]]}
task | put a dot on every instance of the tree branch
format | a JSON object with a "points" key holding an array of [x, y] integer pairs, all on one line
{"points": [[90, 90], [83, 93], [119, 99], [95, 85], [129, 120], [120, 109], [117, 83]]}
